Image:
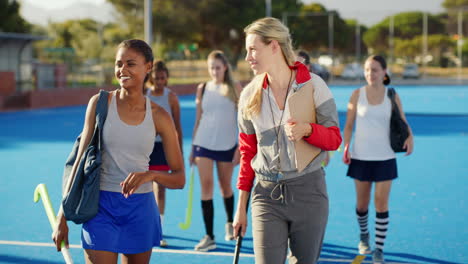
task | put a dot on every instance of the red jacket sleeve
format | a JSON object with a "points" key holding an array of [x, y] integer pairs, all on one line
{"points": [[326, 138], [248, 150]]}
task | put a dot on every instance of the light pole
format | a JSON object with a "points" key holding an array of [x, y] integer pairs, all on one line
{"points": [[391, 30], [358, 42], [424, 44], [268, 8], [148, 21], [459, 44]]}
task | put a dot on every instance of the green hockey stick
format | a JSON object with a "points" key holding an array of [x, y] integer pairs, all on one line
{"points": [[188, 211], [41, 190]]}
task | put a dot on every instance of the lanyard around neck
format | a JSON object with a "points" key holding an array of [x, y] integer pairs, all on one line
{"points": [[278, 130]]}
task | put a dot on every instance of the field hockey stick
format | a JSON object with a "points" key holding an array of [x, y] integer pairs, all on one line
{"points": [[41, 190], [239, 239], [237, 249], [188, 211]]}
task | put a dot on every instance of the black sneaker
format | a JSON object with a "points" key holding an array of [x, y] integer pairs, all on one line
{"points": [[377, 256]]}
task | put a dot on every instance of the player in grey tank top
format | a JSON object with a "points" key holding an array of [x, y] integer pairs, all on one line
{"points": [[160, 94], [128, 221], [221, 93]]}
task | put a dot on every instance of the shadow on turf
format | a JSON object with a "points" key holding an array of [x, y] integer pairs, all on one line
{"points": [[337, 252], [220, 247], [16, 259], [329, 251]]}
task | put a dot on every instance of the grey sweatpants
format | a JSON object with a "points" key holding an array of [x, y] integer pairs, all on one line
{"points": [[294, 210]]}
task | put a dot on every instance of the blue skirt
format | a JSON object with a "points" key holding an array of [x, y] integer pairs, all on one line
{"points": [[123, 225], [216, 155], [373, 170]]}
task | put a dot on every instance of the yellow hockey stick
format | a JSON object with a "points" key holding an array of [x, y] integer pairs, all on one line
{"points": [[41, 190]]}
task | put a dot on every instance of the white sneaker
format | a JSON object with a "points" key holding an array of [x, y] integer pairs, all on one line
{"points": [[229, 232], [163, 243], [363, 246], [205, 244]]}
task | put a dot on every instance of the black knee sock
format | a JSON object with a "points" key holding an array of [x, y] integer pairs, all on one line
{"points": [[208, 215], [229, 206]]}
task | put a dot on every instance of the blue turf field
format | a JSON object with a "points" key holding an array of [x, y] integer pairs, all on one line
{"points": [[428, 210]]}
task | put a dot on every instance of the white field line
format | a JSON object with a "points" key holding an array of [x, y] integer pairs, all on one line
{"points": [[178, 251]]}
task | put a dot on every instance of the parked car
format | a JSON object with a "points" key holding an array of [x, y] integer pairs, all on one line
{"points": [[352, 71], [320, 71], [410, 70]]}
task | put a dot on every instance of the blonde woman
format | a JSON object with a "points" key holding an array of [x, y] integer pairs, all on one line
{"points": [[215, 142], [289, 202]]}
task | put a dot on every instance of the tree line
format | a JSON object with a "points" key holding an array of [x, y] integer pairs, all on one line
{"points": [[190, 28]]}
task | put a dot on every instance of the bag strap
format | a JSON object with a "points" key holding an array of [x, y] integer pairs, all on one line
{"points": [[391, 94], [101, 114], [102, 107], [202, 91]]}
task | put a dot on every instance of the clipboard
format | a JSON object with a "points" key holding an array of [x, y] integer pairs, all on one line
{"points": [[302, 108]]}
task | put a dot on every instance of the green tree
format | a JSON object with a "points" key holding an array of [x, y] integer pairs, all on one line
{"points": [[83, 39], [211, 24], [131, 13], [310, 30], [407, 25], [352, 25], [173, 21], [439, 45], [455, 3], [453, 7], [11, 20]]}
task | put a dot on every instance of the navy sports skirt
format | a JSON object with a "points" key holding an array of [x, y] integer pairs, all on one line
{"points": [[223, 155], [373, 170], [158, 160], [123, 225]]}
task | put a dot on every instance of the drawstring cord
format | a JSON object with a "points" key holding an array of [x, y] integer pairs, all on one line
{"points": [[283, 193]]}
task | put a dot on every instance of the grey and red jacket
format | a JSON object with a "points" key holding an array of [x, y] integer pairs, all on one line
{"points": [[264, 151]]}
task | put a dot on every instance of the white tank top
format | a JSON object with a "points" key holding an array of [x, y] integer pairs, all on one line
{"points": [[217, 129], [372, 132], [163, 101], [126, 149]]}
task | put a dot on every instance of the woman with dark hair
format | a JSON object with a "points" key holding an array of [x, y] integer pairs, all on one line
{"points": [[215, 142], [128, 218], [160, 94], [371, 158]]}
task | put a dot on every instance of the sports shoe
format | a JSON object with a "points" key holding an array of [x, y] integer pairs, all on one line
{"points": [[229, 232], [205, 244], [363, 246], [377, 256], [163, 243]]}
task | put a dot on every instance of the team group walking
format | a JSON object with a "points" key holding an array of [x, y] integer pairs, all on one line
{"points": [[279, 128]]}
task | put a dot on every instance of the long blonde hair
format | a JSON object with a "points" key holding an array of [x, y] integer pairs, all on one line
{"points": [[268, 29], [228, 88]]}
